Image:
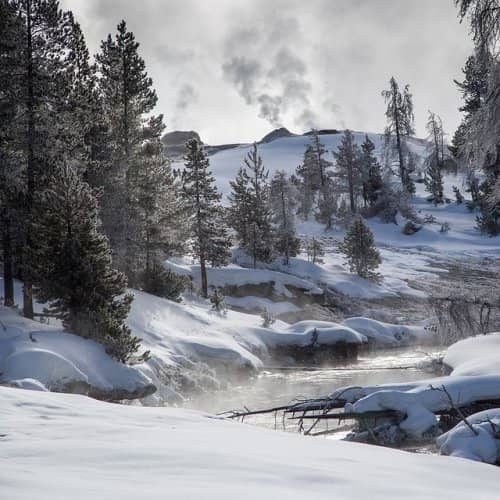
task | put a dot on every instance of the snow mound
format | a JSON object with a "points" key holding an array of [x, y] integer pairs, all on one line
{"points": [[387, 334], [33, 355], [483, 445], [326, 333], [475, 355]]}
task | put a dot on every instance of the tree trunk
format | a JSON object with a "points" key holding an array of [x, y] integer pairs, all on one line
{"points": [[204, 280], [28, 287], [8, 278], [351, 190]]}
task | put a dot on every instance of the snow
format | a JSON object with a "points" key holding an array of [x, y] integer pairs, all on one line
{"points": [[481, 445], [388, 334], [69, 446], [43, 356], [475, 355], [419, 402]]}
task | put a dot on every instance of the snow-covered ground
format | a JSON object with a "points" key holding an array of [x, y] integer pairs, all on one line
{"points": [[59, 446], [406, 259]]}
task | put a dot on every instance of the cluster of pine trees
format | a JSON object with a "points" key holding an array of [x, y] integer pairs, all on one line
{"points": [[476, 142], [87, 200]]}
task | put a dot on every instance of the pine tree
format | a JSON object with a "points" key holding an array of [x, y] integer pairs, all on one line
{"points": [[435, 160], [10, 185], [320, 164], [250, 200], [127, 99], [72, 265], [371, 173], [400, 126], [240, 207], [327, 203], [38, 76], [210, 241], [309, 183], [359, 249], [283, 196], [349, 168], [161, 229]]}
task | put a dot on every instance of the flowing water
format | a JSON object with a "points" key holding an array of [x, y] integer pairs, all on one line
{"points": [[278, 386]]}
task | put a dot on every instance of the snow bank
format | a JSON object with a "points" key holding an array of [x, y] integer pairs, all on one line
{"points": [[67, 446], [38, 356], [475, 356], [387, 334], [483, 445]]}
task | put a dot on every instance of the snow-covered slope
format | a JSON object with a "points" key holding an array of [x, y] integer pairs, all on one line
{"points": [[59, 446], [285, 153]]}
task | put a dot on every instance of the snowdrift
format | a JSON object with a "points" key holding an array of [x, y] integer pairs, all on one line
{"points": [[37, 356], [68, 446]]}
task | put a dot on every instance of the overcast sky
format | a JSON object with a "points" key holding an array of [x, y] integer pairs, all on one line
{"points": [[234, 69]]}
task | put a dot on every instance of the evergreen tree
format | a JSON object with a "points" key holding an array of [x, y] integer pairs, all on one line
{"points": [[239, 213], [400, 126], [349, 168], [38, 77], [127, 99], [10, 185], [308, 183], [320, 164], [371, 173], [210, 241], [359, 249], [283, 196], [327, 204], [72, 265], [250, 200], [435, 160], [161, 228]]}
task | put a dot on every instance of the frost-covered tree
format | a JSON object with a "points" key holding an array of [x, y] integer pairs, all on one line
{"points": [[72, 265], [321, 164], [327, 203], [308, 178], [484, 17], [127, 100], [210, 241], [371, 173], [476, 142], [250, 202], [283, 203], [239, 213], [349, 168], [435, 159], [359, 248], [161, 228], [400, 126], [315, 251]]}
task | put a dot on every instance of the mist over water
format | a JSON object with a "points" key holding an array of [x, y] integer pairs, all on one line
{"points": [[276, 387]]}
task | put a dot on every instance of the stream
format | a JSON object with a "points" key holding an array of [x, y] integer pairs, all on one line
{"points": [[277, 386]]}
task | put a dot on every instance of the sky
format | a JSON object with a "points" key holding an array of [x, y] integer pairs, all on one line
{"points": [[235, 69]]}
